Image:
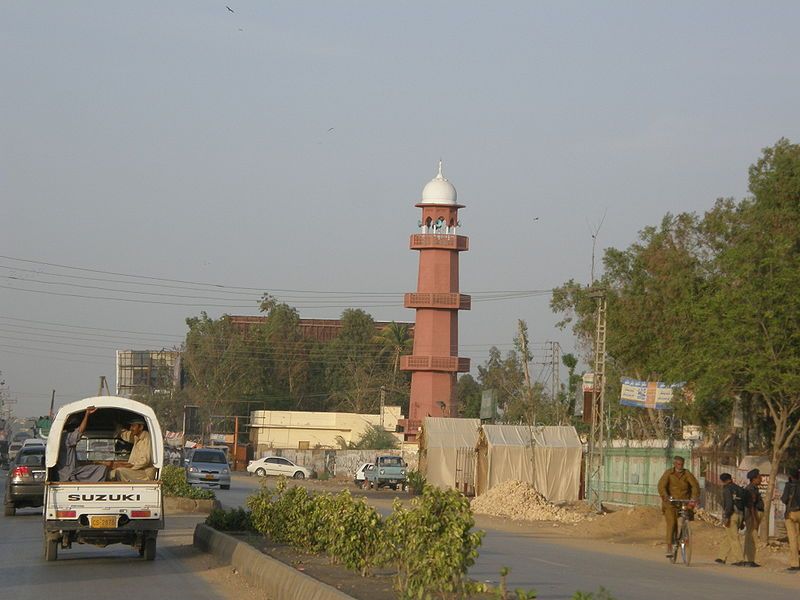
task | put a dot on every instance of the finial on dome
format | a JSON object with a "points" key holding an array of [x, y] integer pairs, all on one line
{"points": [[439, 190]]}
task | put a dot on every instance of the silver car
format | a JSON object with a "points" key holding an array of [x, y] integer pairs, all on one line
{"points": [[206, 466]]}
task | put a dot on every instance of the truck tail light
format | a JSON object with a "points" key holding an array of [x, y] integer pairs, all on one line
{"points": [[21, 472], [140, 513], [65, 514]]}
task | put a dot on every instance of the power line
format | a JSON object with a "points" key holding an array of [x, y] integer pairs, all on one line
{"points": [[219, 286]]}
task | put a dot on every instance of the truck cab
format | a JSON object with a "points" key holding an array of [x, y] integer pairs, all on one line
{"points": [[386, 471], [103, 512]]}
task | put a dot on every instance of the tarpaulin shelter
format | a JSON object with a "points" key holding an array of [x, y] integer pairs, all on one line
{"points": [[549, 458], [447, 451]]}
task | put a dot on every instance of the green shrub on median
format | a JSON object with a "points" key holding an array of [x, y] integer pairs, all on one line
{"points": [[173, 483], [432, 544], [346, 529], [234, 519]]}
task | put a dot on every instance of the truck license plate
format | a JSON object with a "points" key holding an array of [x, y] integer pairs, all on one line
{"points": [[103, 522]]}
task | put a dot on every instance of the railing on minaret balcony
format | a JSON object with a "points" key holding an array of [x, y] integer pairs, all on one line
{"points": [[435, 300], [440, 241], [422, 362]]}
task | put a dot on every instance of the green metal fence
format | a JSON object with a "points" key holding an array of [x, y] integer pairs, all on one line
{"points": [[630, 475]]}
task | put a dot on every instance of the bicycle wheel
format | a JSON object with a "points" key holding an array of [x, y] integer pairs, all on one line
{"points": [[686, 544]]}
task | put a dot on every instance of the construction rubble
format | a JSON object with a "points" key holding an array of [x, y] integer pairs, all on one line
{"points": [[520, 501]]}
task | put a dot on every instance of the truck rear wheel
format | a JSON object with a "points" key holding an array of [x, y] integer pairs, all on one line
{"points": [[50, 550], [149, 548]]}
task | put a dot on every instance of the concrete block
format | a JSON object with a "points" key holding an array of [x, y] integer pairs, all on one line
{"points": [[277, 580]]}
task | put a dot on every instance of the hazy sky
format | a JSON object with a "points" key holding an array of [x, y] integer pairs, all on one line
{"points": [[181, 141]]}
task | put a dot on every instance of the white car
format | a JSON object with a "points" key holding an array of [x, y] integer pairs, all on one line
{"points": [[277, 465], [360, 475]]}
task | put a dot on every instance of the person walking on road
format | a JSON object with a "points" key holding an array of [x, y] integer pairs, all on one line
{"points": [[791, 498], [753, 516], [680, 484], [733, 505]]}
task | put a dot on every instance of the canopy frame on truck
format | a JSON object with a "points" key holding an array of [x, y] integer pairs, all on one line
{"points": [[100, 402]]}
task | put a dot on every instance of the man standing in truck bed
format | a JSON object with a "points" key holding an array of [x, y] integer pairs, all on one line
{"points": [[67, 464], [139, 466]]}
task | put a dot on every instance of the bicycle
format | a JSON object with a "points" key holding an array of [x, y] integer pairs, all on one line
{"points": [[682, 538]]}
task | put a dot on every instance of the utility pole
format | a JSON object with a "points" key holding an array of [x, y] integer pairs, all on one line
{"points": [[596, 455], [103, 386], [52, 403], [555, 375], [383, 403], [526, 357]]}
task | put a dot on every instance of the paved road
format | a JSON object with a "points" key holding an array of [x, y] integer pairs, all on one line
{"points": [[557, 568], [98, 573]]}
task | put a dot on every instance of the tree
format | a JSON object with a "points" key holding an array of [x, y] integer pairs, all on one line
{"points": [[285, 353], [220, 367], [354, 368], [752, 314], [468, 394], [505, 376], [396, 341], [713, 301]]}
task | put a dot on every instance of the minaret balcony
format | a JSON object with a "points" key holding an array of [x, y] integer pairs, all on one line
{"points": [[439, 241], [446, 301], [419, 362]]}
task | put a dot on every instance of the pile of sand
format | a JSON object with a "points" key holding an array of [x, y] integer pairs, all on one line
{"points": [[521, 501]]}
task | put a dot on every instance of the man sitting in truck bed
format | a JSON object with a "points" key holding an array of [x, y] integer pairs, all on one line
{"points": [[67, 464], [139, 466]]}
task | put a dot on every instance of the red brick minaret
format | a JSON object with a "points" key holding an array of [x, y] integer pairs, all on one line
{"points": [[435, 361]]}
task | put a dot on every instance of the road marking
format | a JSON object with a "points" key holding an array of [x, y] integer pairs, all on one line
{"points": [[547, 562]]}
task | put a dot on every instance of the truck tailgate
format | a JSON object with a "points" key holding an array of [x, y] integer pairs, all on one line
{"points": [[136, 500]]}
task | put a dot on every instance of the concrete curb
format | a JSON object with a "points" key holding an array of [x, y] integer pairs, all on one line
{"points": [[277, 580]]}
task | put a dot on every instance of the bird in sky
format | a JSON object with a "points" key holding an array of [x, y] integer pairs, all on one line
{"points": [[330, 129], [535, 218], [229, 8]]}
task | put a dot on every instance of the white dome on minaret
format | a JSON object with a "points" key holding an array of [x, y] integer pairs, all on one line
{"points": [[438, 190]]}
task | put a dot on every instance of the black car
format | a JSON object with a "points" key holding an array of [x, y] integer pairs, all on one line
{"points": [[25, 484]]}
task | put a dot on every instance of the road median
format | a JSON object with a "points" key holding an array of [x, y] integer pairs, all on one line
{"points": [[277, 580]]}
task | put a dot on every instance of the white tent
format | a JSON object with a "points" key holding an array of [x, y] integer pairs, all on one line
{"points": [[446, 450], [547, 457]]}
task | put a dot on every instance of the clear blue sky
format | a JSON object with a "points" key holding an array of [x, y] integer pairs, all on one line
{"points": [[180, 140]]}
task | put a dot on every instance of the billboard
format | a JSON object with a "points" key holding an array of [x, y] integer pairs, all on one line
{"points": [[647, 394]]}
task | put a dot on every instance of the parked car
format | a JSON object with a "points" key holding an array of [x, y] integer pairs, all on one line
{"points": [[25, 482], [360, 476], [208, 466], [13, 448], [277, 465], [387, 471]]}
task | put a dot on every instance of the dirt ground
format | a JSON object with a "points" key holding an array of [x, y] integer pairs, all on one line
{"points": [[643, 526]]}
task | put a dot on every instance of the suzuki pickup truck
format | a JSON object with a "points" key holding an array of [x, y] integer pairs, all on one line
{"points": [[104, 512], [386, 471]]}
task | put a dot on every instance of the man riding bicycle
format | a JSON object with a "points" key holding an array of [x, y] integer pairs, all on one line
{"points": [[679, 484]]}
